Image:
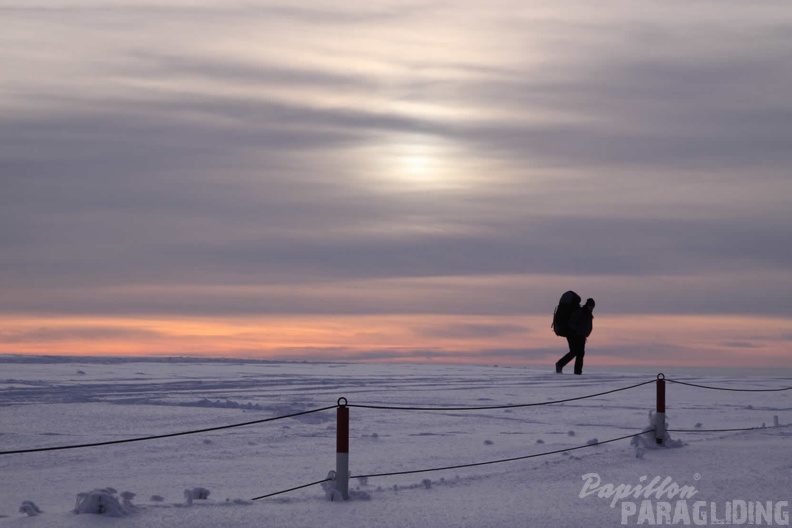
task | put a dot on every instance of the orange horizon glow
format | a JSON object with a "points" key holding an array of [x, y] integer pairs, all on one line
{"points": [[625, 340]]}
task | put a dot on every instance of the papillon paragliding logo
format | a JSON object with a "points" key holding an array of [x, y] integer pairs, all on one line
{"points": [[661, 501]]}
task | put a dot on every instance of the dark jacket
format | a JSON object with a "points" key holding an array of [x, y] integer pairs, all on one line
{"points": [[581, 322]]}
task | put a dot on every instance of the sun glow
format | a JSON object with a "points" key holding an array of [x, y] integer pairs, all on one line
{"points": [[418, 163]]}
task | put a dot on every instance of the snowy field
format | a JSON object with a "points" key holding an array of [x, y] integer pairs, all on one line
{"points": [[735, 477]]}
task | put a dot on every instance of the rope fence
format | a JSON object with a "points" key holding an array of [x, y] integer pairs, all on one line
{"points": [[293, 415], [492, 407], [170, 435], [714, 430], [341, 476], [512, 459], [727, 388], [328, 479]]}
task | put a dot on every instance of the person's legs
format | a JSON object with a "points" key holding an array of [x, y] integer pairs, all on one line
{"points": [[578, 346], [569, 356], [579, 362]]}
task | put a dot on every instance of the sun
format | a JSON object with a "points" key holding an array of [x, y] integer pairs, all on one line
{"points": [[418, 165], [417, 162]]}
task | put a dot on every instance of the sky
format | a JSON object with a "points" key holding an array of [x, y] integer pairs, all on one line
{"points": [[396, 180]]}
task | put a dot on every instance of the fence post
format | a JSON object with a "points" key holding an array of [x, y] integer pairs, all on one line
{"points": [[342, 449], [660, 414]]}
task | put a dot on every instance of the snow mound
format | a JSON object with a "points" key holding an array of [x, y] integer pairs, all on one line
{"points": [[105, 502], [222, 404], [647, 440], [196, 494], [29, 508]]}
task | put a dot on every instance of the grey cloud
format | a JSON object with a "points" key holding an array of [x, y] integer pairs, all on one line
{"points": [[721, 139], [144, 136], [351, 354], [149, 232], [470, 330], [617, 295], [649, 103], [589, 246], [76, 333], [507, 355], [234, 71], [654, 353], [352, 13], [739, 344], [419, 354], [639, 251], [528, 353]]}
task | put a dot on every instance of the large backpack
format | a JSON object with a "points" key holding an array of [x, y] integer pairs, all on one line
{"points": [[569, 302]]}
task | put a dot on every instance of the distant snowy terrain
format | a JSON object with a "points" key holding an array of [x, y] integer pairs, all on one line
{"points": [[208, 479]]}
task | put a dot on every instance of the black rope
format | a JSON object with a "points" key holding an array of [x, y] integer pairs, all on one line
{"points": [[454, 467], [502, 460], [714, 430], [398, 408], [129, 440], [727, 388], [292, 489]]}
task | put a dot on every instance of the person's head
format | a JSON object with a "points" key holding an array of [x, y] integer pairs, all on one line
{"points": [[590, 304]]}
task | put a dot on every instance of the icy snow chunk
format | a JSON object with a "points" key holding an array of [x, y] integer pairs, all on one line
{"points": [[647, 439], [29, 508], [126, 498], [329, 487], [105, 502], [196, 494], [359, 495], [335, 496]]}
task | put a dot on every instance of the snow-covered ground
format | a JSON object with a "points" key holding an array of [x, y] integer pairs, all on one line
{"points": [[744, 477]]}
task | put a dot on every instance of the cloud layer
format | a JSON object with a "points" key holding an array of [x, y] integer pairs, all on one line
{"points": [[183, 159]]}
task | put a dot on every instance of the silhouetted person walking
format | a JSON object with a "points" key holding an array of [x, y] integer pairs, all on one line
{"points": [[580, 324]]}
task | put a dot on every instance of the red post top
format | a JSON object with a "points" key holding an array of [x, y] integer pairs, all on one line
{"points": [[342, 433], [661, 393]]}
